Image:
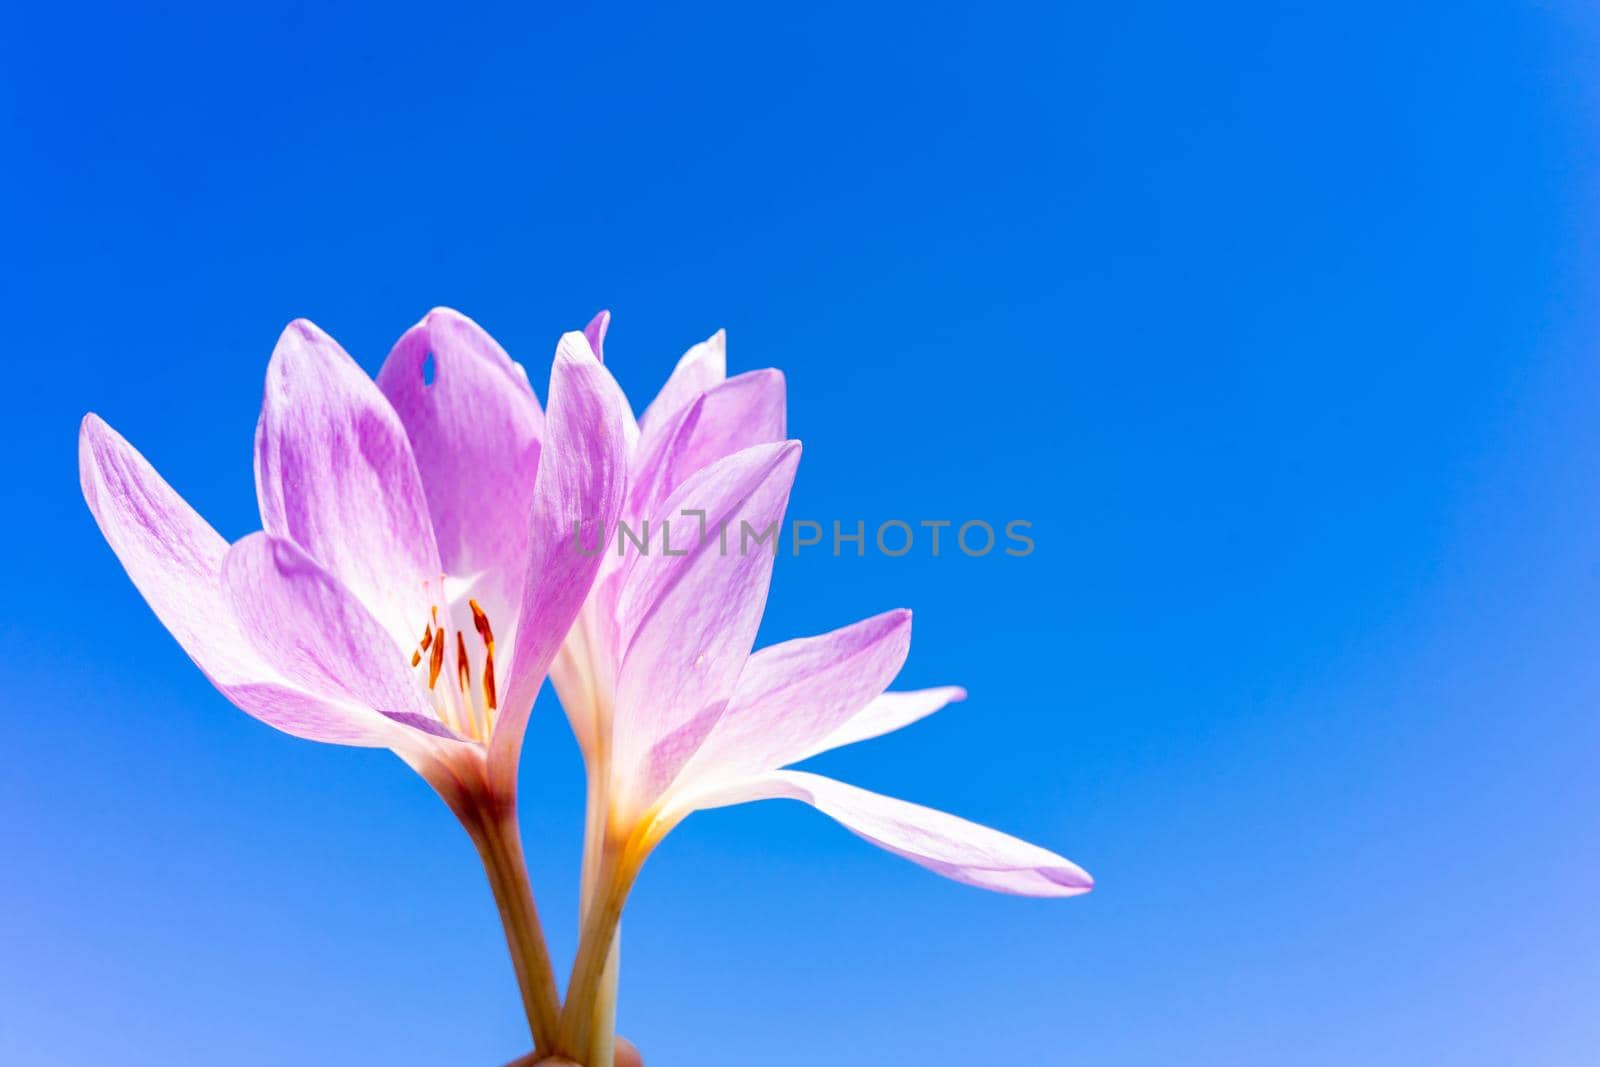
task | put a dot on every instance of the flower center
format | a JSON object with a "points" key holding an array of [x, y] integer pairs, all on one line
{"points": [[458, 706]]}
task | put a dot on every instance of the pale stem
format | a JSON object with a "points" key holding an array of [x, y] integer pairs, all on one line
{"points": [[600, 1048], [588, 1016], [494, 832], [578, 1018]]}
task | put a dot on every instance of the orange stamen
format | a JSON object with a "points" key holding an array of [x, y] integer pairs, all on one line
{"points": [[435, 662], [480, 622]]}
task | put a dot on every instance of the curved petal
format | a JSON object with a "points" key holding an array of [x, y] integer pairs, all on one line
{"points": [[595, 334], [693, 605], [474, 430], [792, 695], [582, 475], [697, 370], [335, 474], [317, 634], [733, 415], [583, 674], [885, 714], [943, 843], [175, 561]]}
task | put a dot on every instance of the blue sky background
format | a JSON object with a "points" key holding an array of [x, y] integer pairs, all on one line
{"points": [[1279, 326]]}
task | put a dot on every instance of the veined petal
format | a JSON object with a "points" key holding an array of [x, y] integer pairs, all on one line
{"points": [[317, 634], [729, 417], [885, 714], [692, 607], [793, 695], [583, 675], [582, 475], [336, 475], [943, 843], [175, 560], [698, 369], [595, 334], [474, 430], [747, 409]]}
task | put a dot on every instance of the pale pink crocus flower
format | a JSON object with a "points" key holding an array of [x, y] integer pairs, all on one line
{"points": [[414, 576], [699, 416], [694, 720]]}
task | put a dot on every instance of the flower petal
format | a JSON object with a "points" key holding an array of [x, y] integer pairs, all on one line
{"points": [[943, 843], [692, 612], [730, 416], [317, 634], [885, 714], [336, 475], [474, 430], [175, 560], [698, 369], [582, 475], [595, 334], [793, 695]]}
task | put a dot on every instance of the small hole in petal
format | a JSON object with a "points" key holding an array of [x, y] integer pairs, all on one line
{"points": [[430, 370]]}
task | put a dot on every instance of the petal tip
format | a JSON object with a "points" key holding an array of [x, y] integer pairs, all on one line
{"points": [[302, 328], [574, 349], [1074, 879], [596, 333]]}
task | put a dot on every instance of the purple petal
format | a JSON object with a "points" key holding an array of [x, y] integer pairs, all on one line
{"points": [[693, 617], [698, 369], [793, 695], [475, 434], [175, 561], [582, 474], [729, 417], [335, 474], [885, 714], [943, 843], [316, 633], [595, 334]]}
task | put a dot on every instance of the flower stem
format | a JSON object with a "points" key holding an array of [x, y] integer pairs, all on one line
{"points": [[495, 834], [580, 1018], [594, 1035], [603, 1039], [588, 1020]]}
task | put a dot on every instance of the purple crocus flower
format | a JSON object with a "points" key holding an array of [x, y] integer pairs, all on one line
{"points": [[676, 714], [413, 578]]}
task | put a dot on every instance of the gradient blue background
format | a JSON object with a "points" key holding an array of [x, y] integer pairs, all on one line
{"points": [[1279, 326]]}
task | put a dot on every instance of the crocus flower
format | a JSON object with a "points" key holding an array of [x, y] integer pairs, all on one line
{"points": [[700, 415], [414, 576], [698, 721]]}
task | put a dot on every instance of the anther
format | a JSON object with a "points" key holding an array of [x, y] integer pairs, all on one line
{"points": [[416, 658], [463, 672], [488, 681], [480, 621], [435, 662], [427, 638]]}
